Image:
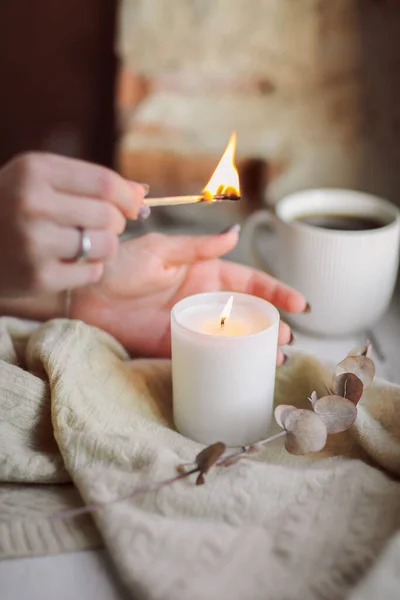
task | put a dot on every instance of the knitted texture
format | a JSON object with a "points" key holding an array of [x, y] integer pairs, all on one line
{"points": [[73, 407]]}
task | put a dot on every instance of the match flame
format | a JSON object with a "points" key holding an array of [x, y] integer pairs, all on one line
{"points": [[225, 179], [226, 311]]}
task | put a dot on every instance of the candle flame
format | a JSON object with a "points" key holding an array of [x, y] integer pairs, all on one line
{"points": [[225, 179], [226, 311]]}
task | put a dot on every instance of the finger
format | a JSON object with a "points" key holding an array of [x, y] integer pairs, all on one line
{"points": [[81, 178], [73, 211], [53, 242], [285, 334], [104, 244], [56, 276], [239, 278], [184, 249], [280, 358]]}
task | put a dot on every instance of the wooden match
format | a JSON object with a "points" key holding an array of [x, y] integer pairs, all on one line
{"points": [[214, 191], [176, 200]]}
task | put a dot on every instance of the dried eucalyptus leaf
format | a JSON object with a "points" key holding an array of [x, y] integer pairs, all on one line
{"points": [[200, 479], [362, 366], [313, 398], [348, 386], [209, 456], [281, 413], [362, 351], [337, 413], [305, 432]]}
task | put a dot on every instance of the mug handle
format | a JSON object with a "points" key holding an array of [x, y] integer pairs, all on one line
{"points": [[261, 219]]}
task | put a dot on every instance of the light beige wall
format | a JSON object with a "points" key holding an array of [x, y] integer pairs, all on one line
{"points": [[312, 86]]}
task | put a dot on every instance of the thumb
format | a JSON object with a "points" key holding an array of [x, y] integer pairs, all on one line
{"points": [[185, 249]]}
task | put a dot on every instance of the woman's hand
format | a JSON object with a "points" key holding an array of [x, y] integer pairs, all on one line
{"points": [[44, 199], [151, 273]]}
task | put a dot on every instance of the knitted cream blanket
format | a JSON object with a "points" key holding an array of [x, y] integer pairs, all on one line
{"points": [[74, 408]]}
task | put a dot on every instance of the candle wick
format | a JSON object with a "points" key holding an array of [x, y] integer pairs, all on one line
{"points": [[223, 319]]}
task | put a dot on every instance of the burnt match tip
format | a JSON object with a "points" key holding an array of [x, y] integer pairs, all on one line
{"points": [[223, 197]]}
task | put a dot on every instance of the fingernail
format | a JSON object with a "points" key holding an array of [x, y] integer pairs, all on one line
{"points": [[236, 228], [144, 212], [307, 308], [292, 339], [146, 188]]}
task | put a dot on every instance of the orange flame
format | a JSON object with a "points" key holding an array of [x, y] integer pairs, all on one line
{"points": [[226, 311], [225, 179]]}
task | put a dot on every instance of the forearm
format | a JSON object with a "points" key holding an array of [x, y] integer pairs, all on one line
{"points": [[40, 308]]}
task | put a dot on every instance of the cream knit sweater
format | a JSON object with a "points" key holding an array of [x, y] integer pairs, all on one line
{"points": [[78, 416]]}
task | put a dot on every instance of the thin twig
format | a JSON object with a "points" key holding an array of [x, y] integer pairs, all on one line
{"points": [[152, 487], [247, 449], [272, 438]]}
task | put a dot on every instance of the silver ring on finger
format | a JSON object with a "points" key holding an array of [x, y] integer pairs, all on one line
{"points": [[85, 245]]}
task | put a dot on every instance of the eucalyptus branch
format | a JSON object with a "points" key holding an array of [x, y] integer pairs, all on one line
{"points": [[88, 508], [224, 461]]}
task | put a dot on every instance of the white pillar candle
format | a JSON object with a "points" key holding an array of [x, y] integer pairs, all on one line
{"points": [[223, 377]]}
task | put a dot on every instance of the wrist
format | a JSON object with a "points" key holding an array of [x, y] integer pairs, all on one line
{"points": [[71, 304], [36, 308], [67, 303]]}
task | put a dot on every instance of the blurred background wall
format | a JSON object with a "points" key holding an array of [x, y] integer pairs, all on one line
{"points": [[155, 87], [311, 86]]}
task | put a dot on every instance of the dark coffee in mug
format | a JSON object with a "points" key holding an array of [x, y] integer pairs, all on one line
{"points": [[341, 222]]}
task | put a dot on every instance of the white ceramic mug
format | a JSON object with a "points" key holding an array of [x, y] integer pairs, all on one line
{"points": [[348, 277]]}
